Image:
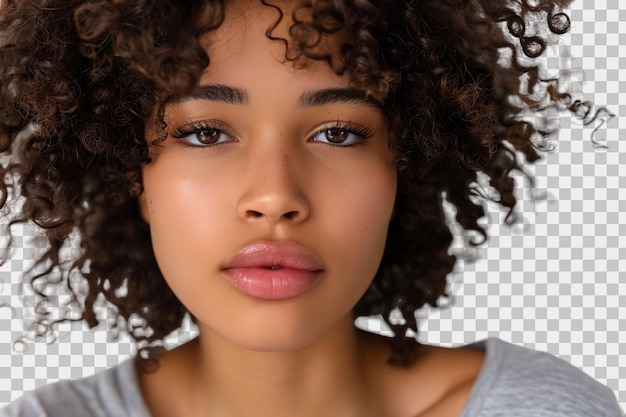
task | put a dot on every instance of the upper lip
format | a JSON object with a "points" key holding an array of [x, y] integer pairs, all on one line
{"points": [[274, 254]]}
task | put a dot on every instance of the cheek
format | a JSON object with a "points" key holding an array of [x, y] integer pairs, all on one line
{"points": [[366, 210], [358, 221], [182, 214]]}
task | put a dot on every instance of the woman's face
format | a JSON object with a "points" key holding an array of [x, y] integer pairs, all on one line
{"points": [[270, 199]]}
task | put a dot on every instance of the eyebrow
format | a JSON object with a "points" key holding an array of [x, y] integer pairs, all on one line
{"points": [[215, 92], [232, 95], [337, 95]]}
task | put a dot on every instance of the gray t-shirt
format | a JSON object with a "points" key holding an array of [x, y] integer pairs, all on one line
{"points": [[514, 382]]}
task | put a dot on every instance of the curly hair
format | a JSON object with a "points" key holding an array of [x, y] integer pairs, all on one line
{"points": [[80, 81]]}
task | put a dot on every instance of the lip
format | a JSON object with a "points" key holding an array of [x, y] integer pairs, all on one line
{"points": [[273, 270]]}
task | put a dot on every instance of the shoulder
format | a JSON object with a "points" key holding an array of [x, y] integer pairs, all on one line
{"points": [[437, 384], [516, 381], [113, 392]]}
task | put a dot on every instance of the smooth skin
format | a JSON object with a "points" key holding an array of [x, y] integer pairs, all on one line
{"points": [[264, 152]]}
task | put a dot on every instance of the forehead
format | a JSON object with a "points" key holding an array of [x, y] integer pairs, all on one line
{"points": [[256, 36], [272, 16]]}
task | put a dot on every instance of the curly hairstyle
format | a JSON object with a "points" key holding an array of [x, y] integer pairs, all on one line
{"points": [[80, 81]]}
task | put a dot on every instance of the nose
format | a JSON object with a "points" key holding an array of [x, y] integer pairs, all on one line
{"points": [[274, 190]]}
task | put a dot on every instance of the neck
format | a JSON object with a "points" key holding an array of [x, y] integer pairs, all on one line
{"points": [[328, 377]]}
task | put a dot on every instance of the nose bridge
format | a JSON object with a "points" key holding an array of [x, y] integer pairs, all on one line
{"points": [[273, 190], [272, 173]]}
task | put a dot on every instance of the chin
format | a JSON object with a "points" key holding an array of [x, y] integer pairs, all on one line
{"points": [[289, 331]]}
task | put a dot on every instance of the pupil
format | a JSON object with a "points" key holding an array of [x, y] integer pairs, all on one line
{"points": [[207, 136], [336, 135]]}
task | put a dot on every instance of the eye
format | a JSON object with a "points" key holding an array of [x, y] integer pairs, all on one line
{"points": [[207, 137], [347, 135], [200, 134]]}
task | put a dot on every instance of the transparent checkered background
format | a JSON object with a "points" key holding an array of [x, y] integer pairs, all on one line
{"points": [[553, 282]]}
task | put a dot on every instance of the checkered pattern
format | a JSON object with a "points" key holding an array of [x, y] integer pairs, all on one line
{"points": [[552, 282]]}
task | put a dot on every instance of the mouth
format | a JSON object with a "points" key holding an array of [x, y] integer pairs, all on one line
{"points": [[273, 267], [274, 256], [273, 271]]}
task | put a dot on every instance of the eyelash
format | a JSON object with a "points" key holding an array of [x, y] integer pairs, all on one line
{"points": [[197, 127], [191, 128], [360, 131]]}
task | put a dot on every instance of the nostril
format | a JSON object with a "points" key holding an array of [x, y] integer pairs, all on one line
{"points": [[290, 215]]}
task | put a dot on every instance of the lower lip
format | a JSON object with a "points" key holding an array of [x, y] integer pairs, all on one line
{"points": [[272, 284]]}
